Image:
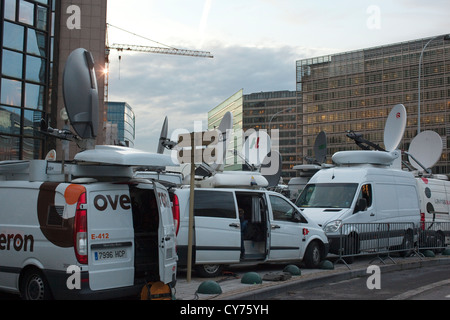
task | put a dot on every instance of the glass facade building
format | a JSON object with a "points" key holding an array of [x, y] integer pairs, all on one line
{"points": [[275, 110], [35, 41], [26, 46], [121, 114], [356, 91]]}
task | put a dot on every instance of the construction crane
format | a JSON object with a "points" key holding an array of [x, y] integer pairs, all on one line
{"points": [[180, 52], [147, 49]]}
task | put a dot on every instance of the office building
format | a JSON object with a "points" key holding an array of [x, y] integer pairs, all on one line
{"points": [[356, 91], [275, 110], [261, 111], [36, 39], [121, 116]]}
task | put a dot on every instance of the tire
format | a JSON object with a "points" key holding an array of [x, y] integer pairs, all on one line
{"points": [[209, 270], [313, 255], [34, 286], [407, 245]]}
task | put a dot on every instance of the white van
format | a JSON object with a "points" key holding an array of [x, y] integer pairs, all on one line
{"points": [[269, 228], [361, 194], [434, 193], [118, 232]]}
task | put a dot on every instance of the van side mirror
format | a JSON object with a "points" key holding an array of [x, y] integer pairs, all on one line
{"points": [[297, 217], [361, 205]]}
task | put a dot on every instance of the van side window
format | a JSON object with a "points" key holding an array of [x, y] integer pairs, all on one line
{"points": [[366, 193], [214, 204], [281, 209]]}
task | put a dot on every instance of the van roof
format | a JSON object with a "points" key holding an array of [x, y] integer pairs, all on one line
{"points": [[356, 174]]}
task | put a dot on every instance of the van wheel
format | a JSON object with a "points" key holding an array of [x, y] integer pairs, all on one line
{"points": [[34, 286], [209, 270], [407, 245], [313, 255]]}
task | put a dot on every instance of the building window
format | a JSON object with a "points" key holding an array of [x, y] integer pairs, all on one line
{"points": [[24, 85]]}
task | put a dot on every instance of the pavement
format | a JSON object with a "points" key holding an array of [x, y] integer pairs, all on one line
{"points": [[233, 289]]}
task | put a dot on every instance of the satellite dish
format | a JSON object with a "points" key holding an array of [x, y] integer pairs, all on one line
{"points": [[395, 127], [320, 147], [271, 168], [224, 127], [81, 93], [163, 136], [256, 147], [426, 149]]}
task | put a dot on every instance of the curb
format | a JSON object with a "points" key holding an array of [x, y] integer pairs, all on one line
{"points": [[271, 289]]}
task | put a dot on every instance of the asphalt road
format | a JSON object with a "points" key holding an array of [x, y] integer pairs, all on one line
{"points": [[427, 283]]}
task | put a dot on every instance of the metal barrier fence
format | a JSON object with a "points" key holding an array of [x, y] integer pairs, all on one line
{"points": [[384, 239], [434, 236]]}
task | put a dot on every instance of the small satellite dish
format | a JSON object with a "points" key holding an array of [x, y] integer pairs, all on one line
{"points": [[256, 147], [320, 148], [426, 148], [81, 93], [224, 127], [51, 155], [271, 168], [163, 136], [395, 127]]}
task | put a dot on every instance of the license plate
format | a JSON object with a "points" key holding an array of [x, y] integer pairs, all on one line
{"points": [[112, 254]]}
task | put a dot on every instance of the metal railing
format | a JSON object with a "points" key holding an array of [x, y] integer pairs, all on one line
{"points": [[384, 239]]}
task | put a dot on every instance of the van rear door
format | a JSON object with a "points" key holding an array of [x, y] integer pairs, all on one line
{"points": [[167, 238], [110, 236]]}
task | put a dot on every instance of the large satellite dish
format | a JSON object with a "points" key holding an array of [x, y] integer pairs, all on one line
{"points": [[425, 150], [81, 93], [395, 127]]}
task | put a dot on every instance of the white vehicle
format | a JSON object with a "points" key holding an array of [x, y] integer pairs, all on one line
{"points": [[88, 230], [435, 200], [361, 190], [237, 225]]}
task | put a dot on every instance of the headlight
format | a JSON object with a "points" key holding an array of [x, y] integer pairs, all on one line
{"points": [[332, 226]]}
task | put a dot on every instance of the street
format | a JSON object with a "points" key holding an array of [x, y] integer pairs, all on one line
{"points": [[428, 283]]}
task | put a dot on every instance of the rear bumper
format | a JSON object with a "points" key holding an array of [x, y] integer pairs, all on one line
{"points": [[58, 286]]}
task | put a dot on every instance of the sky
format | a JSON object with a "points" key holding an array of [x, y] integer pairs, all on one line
{"points": [[255, 44]]}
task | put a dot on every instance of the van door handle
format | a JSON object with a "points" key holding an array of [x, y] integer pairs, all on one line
{"points": [[275, 226], [166, 239], [372, 214], [235, 225]]}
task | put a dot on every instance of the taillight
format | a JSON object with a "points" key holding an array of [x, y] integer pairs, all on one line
{"points": [[80, 231], [422, 221], [176, 213]]}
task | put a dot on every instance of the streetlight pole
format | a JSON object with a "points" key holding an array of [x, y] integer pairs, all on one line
{"points": [[270, 121], [446, 37]]}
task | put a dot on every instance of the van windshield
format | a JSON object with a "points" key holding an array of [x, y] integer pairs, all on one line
{"points": [[327, 195]]}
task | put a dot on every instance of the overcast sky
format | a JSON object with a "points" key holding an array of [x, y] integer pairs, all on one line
{"points": [[255, 44]]}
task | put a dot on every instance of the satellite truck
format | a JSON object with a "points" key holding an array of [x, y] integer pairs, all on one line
{"points": [[87, 228], [365, 186], [236, 219]]}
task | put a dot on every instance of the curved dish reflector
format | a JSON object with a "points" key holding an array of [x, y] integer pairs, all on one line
{"points": [[80, 93], [395, 127], [426, 148]]}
